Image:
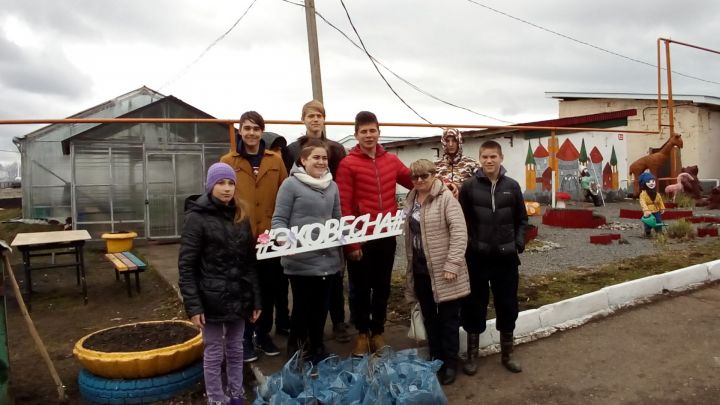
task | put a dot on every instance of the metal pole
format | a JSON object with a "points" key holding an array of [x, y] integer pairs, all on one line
{"points": [[314, 51], [659, 84], [674, 161]]}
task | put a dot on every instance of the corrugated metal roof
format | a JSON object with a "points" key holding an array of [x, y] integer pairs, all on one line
{"points": [[577, 121], [695, 98]]}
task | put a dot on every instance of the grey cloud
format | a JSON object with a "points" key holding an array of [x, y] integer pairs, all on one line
{"points": [[47, 71]]}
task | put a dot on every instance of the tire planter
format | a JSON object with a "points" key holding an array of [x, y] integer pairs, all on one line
{"points": [[101, 390], [140, 364]]}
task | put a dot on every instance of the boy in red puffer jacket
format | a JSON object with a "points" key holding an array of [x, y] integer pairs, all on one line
{"points": [[367, 178]]}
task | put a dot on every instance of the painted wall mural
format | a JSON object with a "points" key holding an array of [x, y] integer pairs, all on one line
{"points": [[607, 152]]}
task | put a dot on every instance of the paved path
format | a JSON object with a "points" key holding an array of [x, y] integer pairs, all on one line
{"points": [[666, 352]]}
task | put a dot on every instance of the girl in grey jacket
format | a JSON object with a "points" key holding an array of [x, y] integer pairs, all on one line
{"points": [[308, 196]]}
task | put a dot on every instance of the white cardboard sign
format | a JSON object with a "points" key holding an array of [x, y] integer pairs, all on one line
{"points": [[333, 232]]}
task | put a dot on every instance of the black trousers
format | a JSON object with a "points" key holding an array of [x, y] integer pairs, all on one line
{"points": [[337, 298], [595, 198], [311, 298], [273, 290], [442, 322], [371, 284], [496, 273]]}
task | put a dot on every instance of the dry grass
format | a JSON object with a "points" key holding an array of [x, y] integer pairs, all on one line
{"points": [[538, 290], [684, 201], [681, 229]]}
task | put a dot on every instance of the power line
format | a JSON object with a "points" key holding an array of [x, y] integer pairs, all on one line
{"points": [[376, 66], [415, 87], [586, 43], [207, 49]]}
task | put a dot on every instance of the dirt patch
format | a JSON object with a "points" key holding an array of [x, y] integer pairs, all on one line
{"points": [[140, 337], [61, 320]]}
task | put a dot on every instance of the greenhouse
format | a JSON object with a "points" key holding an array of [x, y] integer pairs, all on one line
{"points": [[120, 176]]}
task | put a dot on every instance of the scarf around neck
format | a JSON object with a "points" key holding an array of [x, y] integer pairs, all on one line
{"points": [[319, 184]]}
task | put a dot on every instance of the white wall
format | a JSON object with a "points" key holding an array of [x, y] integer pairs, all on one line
{"points": [[698, 125], [515, 151]]}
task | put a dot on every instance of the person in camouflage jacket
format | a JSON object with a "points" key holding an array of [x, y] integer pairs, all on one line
{"points": [[454, 167]]}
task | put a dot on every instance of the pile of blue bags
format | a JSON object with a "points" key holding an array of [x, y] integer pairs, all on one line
{"points": [[395, 378]]}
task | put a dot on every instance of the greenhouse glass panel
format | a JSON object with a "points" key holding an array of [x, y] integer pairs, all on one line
{"points": [[161, 195], [47, 165], [190, 181], [127, 165], [51, 202], [213, 133], [92, 166], [213, 155], [128, 203], [93, 204]]}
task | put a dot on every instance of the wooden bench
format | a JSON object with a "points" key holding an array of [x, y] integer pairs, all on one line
{"points": [[127, 263]]}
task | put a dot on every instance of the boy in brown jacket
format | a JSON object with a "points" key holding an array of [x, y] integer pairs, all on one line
{"points": [[260, 172]]}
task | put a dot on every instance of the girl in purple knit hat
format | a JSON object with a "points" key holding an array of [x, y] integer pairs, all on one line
{"points": [[218, 281]]}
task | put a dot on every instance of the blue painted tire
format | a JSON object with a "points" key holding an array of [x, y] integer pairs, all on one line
{"points": [[101, 390]]}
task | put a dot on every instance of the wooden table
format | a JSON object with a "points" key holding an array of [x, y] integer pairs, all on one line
{"points": [[36, 244]]}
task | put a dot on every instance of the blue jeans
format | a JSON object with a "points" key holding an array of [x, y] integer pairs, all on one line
{"points": [[223, 338], [658, 220]]}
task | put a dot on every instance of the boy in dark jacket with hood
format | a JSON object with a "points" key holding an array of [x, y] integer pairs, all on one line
{"points": [[313, 115], [496, 218]]}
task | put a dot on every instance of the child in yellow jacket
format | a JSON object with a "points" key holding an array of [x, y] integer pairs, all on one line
{"points": [[651, 201]]}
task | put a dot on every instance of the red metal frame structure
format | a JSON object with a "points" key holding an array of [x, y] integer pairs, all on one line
{"points": [[674, 161], [231, 122]]}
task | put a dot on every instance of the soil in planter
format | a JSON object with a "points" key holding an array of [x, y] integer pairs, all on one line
{"points": [[140, 337]]}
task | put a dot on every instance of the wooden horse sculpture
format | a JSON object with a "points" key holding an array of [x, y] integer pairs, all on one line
{"points": [[653, 161]]}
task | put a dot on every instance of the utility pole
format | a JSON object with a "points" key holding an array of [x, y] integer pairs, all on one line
{"points": [[314, 51]]}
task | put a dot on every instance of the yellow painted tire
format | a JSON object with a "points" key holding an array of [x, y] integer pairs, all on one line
{"points": [[132, 365]]}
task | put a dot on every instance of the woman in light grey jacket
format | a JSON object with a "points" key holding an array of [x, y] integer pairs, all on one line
{"points": [[437, 275], [309, 196]]}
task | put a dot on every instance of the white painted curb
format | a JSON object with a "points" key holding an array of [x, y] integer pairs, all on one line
{"points": [[714, 270], [537, 323]]}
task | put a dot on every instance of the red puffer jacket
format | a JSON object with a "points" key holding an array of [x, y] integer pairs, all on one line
{"points": [[367, 186]]}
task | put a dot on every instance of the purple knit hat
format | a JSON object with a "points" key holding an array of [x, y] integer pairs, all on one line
{"points": [[217, 172]]}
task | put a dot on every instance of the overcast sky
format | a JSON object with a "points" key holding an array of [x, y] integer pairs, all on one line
{"points": [[60, 57]]}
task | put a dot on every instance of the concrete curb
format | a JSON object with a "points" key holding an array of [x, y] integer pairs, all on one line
{"points": [[538, 323]]}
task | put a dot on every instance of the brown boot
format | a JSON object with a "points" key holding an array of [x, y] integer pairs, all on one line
{"points": [[377, 343], [470, 365], [506, 349], [362, 345]]}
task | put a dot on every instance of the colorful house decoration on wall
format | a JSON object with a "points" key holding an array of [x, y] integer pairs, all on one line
{"points": [[530, 176], [541, 157], [611, 178], [595, 166], [569, 166]]}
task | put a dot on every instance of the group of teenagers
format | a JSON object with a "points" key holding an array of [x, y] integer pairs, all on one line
{"points": [[464, 229]]}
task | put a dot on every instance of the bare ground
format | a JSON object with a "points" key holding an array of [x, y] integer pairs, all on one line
{"points": [[665, 352]]}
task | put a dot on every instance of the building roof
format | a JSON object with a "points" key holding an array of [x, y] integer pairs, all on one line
{"points": [[568, 151], [578, 121], [541, 152], [186, 111], [694, 98], [109, 109]]}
